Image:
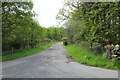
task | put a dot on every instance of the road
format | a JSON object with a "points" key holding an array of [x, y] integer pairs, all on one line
{"points": [[52, 63]]}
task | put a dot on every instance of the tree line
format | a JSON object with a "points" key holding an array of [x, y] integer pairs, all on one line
{"points": [[20, 30], [97, 23]]}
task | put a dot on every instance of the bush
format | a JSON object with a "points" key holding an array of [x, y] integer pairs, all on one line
{"points": [[85, 44], [47, 39], [116, 62], [64, 39], [97, 48]]}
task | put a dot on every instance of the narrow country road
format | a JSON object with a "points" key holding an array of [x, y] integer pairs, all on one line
{"points": [[52, 63]]}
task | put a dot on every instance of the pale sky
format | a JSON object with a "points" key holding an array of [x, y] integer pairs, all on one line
{"points": [[47, 11]]}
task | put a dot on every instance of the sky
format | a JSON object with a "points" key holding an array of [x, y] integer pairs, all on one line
{"points": [[47, 11]]}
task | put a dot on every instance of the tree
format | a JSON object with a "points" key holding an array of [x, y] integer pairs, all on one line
{"points": [[19, 28], [95, 22]]}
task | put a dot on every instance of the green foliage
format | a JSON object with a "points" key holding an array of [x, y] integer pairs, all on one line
{"points": [[115, 62], [54, 33], [91, 24], [20, 30], [18, 26], [97, 48], [95, 22], [64, 38], [47, 39], [87, 57]]}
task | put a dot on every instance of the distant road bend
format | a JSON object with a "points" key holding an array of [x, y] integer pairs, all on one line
{"points": [[52, 63]]}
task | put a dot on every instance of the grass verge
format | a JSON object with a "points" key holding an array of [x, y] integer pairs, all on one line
{"points": [[27, 52], [87, 57]]}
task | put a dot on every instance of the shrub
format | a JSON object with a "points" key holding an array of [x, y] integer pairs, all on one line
{"points": [[97, 48], [64, 39], [47, 39]]}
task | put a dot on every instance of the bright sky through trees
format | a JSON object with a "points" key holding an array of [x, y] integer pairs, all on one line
{"points": [[47, 11]]}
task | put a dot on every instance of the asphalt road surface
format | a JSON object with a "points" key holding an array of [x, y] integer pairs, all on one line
{"points": [[52, 63]]}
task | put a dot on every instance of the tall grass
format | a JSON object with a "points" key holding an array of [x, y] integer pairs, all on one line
{"points": [[26, 52], [87, 57]]}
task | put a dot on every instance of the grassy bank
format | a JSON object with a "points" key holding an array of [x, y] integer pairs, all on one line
{"points": [[87, 57], [26, 52]]}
